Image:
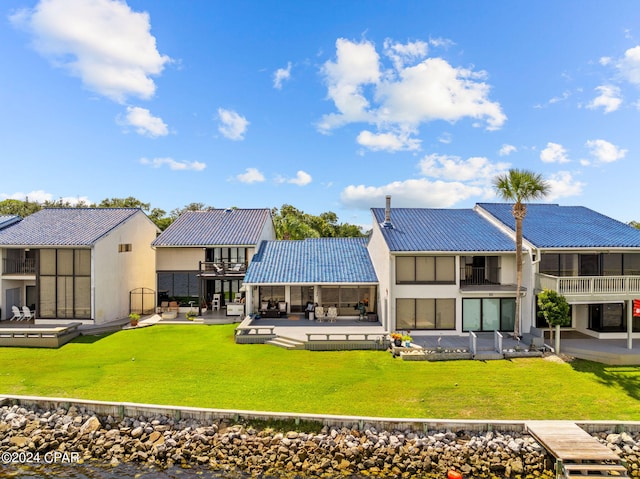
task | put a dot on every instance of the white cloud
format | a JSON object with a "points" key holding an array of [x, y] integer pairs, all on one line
{"points": [[40, 196], [251, 175], [232, 124], [554, 153], [399, 97], [604, 151], [446, 138], [144, 122], [609, 99], [281, 75], [173, 164], [629, 65], [562, 184], [474, 169], [103, 42], [507, 149], [387, 141], [409, 193], [405, 53], [302, 178]]}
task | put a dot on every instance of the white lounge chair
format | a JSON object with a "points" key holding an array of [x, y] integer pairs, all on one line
{"points": [[17, 314], [332, 314], [26, 313], [319, 313]]}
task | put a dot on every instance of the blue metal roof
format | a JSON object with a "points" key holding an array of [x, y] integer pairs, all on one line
{"points": [[215, 228], [555, 226], [8, 220], [65, 226], [432, 229], [318, 260]]}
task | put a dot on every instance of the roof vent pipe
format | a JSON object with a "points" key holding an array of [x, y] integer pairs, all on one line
{"points": [[387, 213]]}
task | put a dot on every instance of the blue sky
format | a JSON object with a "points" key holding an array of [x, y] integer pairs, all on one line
{"points": [[325, 105]]}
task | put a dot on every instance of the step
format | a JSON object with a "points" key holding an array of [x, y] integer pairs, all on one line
{"points": [[286, 343], [487, 356], [595, 470]]}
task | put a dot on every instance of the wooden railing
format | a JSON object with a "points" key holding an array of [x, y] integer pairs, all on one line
{"points": [[582, 285]]}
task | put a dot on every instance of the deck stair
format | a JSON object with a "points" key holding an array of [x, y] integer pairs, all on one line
{"points": [[286, 343], [577, 453]]}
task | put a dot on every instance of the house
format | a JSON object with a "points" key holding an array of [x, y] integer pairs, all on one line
{"points": [[451, 271], [78, 264], [325, 272], [443, 271], [591, 259], [204, 254]]}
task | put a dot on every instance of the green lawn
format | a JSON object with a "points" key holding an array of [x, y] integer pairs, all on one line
{"points": [[202, 366]]}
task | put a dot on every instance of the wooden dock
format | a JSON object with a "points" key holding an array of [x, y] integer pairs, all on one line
{"points": [[577, 453]]}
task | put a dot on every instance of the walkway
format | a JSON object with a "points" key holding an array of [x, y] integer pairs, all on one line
{"points": [[577, 452]]}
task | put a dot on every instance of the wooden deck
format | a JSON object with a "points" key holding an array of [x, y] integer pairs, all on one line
{"points": [[577, 453]]}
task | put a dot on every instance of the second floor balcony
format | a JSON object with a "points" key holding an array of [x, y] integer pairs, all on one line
{"points": [[25, 266], [223, 268], [479, 275], [591, 286]]}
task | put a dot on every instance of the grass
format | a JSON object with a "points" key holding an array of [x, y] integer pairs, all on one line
{"points": [[202, 366]]}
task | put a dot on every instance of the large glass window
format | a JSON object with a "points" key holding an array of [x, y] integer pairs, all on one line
{"points": [[300, 296], [425, 269], [64, 282], [558, 264], [346, 298], [488, 314], [425, 313], [178, 284]]}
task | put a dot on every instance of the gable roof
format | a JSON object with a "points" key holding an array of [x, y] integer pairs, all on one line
{"points": [[317, 260], [433, 229], [65, 226], [8, 220], [555, 226], [215, 227]]}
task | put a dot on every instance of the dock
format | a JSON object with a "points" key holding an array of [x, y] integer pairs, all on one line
{"points": [[577, 453]]}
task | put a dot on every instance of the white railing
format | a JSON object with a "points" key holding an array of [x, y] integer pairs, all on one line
{"points": [[473, 342], [576, 285], [497, 341]]}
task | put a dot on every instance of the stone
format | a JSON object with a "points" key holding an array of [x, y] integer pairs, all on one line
{"points": [[90, 425]]}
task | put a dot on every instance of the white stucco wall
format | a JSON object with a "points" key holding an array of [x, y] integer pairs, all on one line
{"points": [[381, 259], [116, 274], [179, 259]]}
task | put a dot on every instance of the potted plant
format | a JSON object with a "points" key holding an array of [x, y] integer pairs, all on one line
{"points": [[133, 319], [407, 340], [397, 339]]}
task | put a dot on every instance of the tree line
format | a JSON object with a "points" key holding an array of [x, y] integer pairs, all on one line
{"points": [[289, 222]]}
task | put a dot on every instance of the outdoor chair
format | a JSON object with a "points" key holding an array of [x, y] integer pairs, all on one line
{"points": [[26, 313], [215, 303], [320, 313], [282, 308], [17, 314], [173, 306], [332, 314]]}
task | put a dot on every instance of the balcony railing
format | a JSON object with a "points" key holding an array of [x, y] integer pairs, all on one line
{"points": [[585, 285], [223, 268], [470, 275], [18, 266]]}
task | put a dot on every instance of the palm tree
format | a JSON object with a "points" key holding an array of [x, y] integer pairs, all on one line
{"points": [[520, 186]]}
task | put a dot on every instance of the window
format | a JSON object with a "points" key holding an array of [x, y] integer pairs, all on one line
{"points": [[425, 314], [558, 264], [124, 247], [64, 282], [271, 293], [488, 314], [425, 269], [346, 298], [178, 284]]}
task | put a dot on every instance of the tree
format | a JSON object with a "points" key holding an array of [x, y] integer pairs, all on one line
{"points": [[19, 207], [519, 186], [553, 307], [294, 224]]}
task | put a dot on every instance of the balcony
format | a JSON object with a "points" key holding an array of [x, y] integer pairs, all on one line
{"points": [[475, 276], [19, 266], [229, 269], [595, 287]]}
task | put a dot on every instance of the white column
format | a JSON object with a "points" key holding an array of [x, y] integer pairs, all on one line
{"points": [[630, 324]]}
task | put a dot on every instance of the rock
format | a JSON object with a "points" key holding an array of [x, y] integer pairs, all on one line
{"points": [[90, 425]]}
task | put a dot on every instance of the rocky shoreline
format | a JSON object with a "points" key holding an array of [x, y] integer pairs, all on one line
{"points": [[77, 435]]}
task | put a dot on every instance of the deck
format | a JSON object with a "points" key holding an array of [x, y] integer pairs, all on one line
{"points": [[577, 453]]}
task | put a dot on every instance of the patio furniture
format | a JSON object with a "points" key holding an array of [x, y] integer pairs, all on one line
{"points": [[282, 308], [320, 313], [332, 314], [173, 306], [26, 313], [215, 303], [17, 314]]}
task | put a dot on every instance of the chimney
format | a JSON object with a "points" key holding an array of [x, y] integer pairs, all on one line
{"points": [[387, 213]]}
